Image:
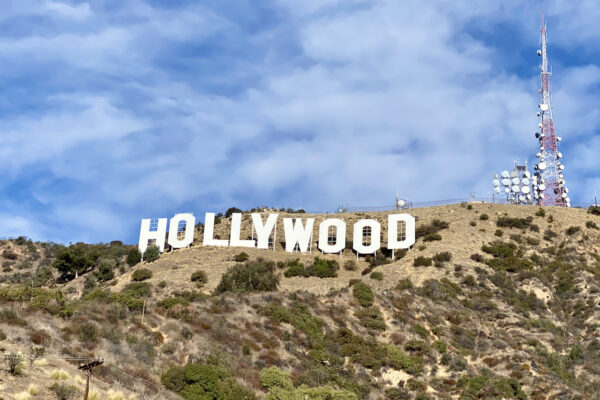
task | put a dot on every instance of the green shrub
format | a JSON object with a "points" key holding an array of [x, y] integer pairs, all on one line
{"points": [[594, 210], [199, 277], [2, 335], [141, 275], [203, 381], [14, 362], [378, 259], [430, 237], [274, 377], [399, 360], [152, 253], [518, 223], [232, 210], [572, 230], [371, 318], [363, 294], [63, 391], [473, 223], [540, 212], [440, 258], [173, 301], [87, 332], [350, 265], [321, 268], [591, 225], [421, 331], [422, 261], [241, 257], [499, 232], [133, 256], [252, 276], [404, 284], [484, 217], [435, 226], [377, 275], [440, 346]]}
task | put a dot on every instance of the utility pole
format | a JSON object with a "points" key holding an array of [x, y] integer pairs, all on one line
{"points": [[88, 367]]}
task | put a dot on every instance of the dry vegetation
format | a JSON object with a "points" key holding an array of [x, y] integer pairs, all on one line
{"points": [[492, 302]]}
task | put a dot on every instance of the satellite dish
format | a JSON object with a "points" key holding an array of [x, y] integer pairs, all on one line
{"points": [[526, 174], [513, 174], [542, 165], [400, 203], [515, 181], [535, 195], [497, 189], [540, 125], [537, 134], [541, 195], [521, 198], [561, 167], [568, 200], [539, 52], [525, 189], [542, 187], [543, 107], [566, 190], [505, 182], [504, 174], [507, 190], [525, 181], [558, 138], [559, 154], [528, 197], [564, 195], [516, 189], [539, 114], [496, 182]]}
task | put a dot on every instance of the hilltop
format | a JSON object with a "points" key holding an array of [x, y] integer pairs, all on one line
{"points": [[493, 301]]}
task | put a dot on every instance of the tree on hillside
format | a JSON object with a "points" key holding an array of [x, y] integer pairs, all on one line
{"points": [[75, 260], [232, 210], [133, 256]]}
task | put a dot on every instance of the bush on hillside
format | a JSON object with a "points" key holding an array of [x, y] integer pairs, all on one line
{"points": [[64, 391], [133, 256], [152, 253], [321, 268], [440, 258], [572, 230], [252, 276], [432, 228], [363, 294], [380, 259], [241, 257], [199, 277], [232, 210], [141, 275], [518, 223], [540, 212], [484, 217], [594, 210], [430, 237], [350, 265], [377, 275], [422, 261], [591, 225], [204, 381]]}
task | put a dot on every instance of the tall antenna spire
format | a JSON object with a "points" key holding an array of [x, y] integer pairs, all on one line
{"points": [[548, 180]]}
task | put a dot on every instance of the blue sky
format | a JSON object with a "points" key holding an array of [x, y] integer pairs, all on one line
{"points": [[117, 110]]}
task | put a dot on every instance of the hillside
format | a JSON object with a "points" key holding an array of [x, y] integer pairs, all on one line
{"points": [[492, 302]]}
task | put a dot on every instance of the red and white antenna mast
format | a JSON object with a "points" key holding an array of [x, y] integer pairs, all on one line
{"points": [[548, 180]]}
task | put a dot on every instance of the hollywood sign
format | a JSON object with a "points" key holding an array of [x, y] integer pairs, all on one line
{"points": [[298, 233]]}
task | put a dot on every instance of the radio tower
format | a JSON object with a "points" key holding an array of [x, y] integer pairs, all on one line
{"points": [[548, 181]]}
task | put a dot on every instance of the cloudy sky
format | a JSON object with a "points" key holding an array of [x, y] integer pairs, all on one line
{"points": [[117, 110]]}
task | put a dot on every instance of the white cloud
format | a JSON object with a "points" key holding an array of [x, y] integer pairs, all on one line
{"points": [[78, 12]]}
